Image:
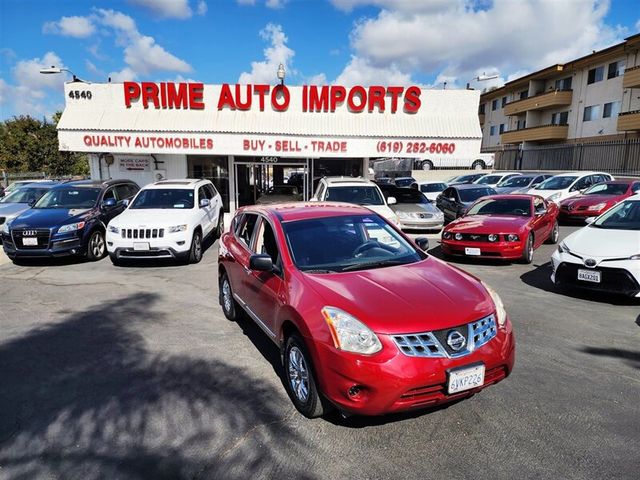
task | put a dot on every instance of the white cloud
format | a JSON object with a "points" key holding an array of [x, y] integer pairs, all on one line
{"points": [[360, 72], [275, 3], [319, 79], [460, 39], [124, 75], [166, 8], [638, 25], [76, 27], [4, 91], [246, 2], [278, 52], [202, 7]]}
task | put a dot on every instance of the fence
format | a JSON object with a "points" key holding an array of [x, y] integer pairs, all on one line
{"points": [[619, 157]]}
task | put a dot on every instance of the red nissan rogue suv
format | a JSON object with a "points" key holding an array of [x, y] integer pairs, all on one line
{"points": [[365, 320]]}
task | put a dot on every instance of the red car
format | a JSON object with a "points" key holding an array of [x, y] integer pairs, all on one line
{"points": [[505, 227], [365, 320], [597, 199]]}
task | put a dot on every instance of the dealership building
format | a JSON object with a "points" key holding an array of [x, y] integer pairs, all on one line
{"points": [[247, 138]]}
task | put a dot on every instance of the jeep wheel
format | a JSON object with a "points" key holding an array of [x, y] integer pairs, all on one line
{"points": [[96, 248], [195, 254]]}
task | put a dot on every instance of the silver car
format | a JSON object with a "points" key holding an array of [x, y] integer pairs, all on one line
{"points": [[21, 199], [414, 210]]}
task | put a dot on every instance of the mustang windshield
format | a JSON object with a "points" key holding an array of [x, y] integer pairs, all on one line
{"points": [[624, 216], [24, 195], [502, 206], [69, 197], [181, 198], [355, 242], [360, 195]]}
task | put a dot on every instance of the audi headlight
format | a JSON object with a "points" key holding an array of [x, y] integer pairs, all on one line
{"points": [[350, 334], [512, 237], [595, 208], [554, 197], [501, 313], [114, 229], [562, 248], [72, 227], [5, 228], [177, 228]]}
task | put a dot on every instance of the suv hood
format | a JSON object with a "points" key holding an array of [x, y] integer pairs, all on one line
{"points": [[152, 218], [50, 217], [423, 296], [13, 209]]}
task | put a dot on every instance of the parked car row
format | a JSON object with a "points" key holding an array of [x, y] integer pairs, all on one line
{"points": [[168, 219]]}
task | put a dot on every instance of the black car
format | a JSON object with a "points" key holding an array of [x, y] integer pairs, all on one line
{"points": [[455, 200], [70, 219], [466, 179]]}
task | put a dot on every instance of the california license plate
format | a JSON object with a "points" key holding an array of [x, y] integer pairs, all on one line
{"points": [[29, 242], [465, 379], [593, 276], [471, 251], [141, 246]]}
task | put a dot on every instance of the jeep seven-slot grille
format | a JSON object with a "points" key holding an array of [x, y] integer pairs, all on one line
{"points": [[434, 344], [142, 232]]}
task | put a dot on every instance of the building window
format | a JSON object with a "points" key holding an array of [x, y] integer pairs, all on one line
{"points": [[481, 109], [595, 75], [611, 109], [521, 124], [591, 113], [560, 118], [616, 69], [492, 131], [504, 101], [524, 94], [503, 128], [494, 105], [564, 83]]}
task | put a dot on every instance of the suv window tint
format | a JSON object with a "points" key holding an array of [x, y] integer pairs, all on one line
{"points": [[211, 189], [123, 191], [266, 241], [133, 190], [246, 227], [110, 193], [203, 193]]}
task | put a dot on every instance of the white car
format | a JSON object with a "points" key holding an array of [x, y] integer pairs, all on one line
{"points": [[494, 179], [355, 190], [167, 219], [567, 185], [604, 255], [432, 189]]}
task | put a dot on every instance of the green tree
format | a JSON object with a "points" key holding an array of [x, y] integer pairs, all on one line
{"points": [[30, 145]]}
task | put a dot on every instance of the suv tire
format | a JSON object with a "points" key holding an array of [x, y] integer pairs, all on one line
{"points": [[299, 378], [228, 303], [96, 246], [195, 253]]}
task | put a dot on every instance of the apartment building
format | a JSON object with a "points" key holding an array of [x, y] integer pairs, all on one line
{"points": [[590, 99]]}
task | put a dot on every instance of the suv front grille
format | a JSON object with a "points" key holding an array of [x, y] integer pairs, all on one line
{"points": [[41, 236], [142, 232], [434, 344]]}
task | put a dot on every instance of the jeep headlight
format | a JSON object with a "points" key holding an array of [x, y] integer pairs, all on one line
{"points": [[350, 334], [72, 227], [177, 228], [501, 313]]}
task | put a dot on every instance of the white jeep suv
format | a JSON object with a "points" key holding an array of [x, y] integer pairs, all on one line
{"points": [[167, 219]]}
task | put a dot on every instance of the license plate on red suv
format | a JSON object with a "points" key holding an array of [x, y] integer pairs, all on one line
{"points": [[465, 379]]}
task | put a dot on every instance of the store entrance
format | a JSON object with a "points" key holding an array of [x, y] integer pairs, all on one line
{"points": [[270, 180], [335, 167]]}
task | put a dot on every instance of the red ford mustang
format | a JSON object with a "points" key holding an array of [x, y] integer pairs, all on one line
{"points": [[597, 199], [365, 320], [503, 227]]}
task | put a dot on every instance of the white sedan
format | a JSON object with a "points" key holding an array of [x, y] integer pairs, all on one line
{"points": [[604, 255], [567, 185]]}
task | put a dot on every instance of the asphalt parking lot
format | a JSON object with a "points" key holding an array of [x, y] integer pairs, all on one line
{"points": [[133, 372]]}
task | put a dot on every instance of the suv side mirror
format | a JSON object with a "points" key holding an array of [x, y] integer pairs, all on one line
{"points": [[261, 262], [423, 243], [391, 201], [109, 203], [204, 202]]}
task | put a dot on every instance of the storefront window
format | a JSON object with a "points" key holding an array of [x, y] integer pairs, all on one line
{"points": [[335, 167], [214, 168]]}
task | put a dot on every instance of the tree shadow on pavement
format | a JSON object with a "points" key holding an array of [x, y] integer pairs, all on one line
{"points": [[630, 357], [83, 398], [540, 278]]}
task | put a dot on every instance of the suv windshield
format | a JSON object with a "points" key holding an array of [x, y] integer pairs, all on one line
{"points": [[69, 197], [517, 181], [607, 189], [472, 194], [624, 216], [502, 206], [556, 183], [432, 187], [359, 194], [358, 242], [24, 195], [181, 198]]}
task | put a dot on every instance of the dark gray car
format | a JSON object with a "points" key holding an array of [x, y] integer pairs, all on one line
{"points": [[522, 183], [455, 200]]}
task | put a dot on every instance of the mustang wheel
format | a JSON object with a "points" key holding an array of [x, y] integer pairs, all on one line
{"points": [[555, 233], [300, 381], [96, 248], [195, 255], [226, 298], [527, 255]]}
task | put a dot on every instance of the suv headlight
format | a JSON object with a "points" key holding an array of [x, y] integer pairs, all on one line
{"points": [[5, 228], [72, 227], [501, 313], [350, 334], [177, 228], [114, 229]]}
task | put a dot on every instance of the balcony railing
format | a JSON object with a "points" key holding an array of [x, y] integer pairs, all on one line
{"points": [[542, 101], [631, 77], [542, 133], [629, 120]]}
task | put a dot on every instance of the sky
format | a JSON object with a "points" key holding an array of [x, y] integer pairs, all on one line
{"points": [[347, 42]]}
